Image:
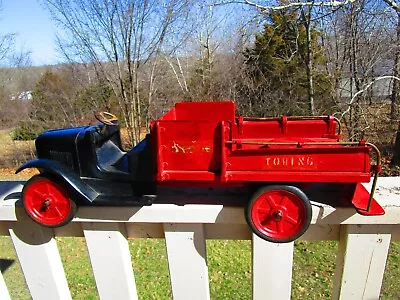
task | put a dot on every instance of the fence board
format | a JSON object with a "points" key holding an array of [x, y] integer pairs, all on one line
{"points": [[207, 214], [111, 260], [3, 289], [363, 247], [40, 260], [186, 252], [272, 269], [361, 261]]}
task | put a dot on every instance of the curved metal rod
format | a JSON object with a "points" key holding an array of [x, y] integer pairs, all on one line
{"points": [[376, 171], [293, 143], [339, 124]]}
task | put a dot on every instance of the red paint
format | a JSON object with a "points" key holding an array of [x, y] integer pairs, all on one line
{"points": [[205, 143], [360, 202], [47, 202], [278, 214], [211, 143]]}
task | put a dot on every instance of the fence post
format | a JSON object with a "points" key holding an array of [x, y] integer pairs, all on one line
{"points": [[361, 261], [40, 260], [187, 261], [3, 289], [272, 269], [111, 260]]}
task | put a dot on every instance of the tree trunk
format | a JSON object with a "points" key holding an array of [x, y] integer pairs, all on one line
{"points": [[395, 85], [355, 110], [309, 61], [396, 151], [394, 99]]}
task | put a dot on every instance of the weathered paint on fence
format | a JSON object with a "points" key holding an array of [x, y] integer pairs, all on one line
{"points": [[363, 245]]}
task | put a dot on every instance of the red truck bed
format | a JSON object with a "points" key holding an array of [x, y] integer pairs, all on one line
{"points": [[205, 141]]}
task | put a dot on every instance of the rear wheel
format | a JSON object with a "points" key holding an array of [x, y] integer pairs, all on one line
{"points": [[47, 202], [279, 213]]}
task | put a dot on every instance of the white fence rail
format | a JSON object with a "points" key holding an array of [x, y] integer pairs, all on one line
{"points": [[363, 246]]}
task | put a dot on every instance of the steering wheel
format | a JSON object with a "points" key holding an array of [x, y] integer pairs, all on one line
{"points": [[106, 118]]}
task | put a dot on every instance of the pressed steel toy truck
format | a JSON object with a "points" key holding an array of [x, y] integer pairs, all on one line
{"points": [[203, 144]]}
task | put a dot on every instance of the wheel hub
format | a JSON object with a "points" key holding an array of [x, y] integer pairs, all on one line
{"points": [[278, 215], [45, 204]]}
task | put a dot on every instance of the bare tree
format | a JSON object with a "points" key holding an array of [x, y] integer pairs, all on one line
{"points": [[356, 44], [119, 38], [395, 86], [395, 5], [202, 69], [307, 10], [265, 5], [6, 45], [7, 41], [10, 57]]}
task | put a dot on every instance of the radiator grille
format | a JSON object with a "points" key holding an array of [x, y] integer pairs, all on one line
{"points": [[64, 158]]}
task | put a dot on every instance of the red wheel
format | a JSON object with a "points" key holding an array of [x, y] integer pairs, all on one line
{"points": [[47, 202], [279, 214]]}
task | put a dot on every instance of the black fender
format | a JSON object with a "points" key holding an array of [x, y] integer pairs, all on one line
{"points": [[73, 182]]}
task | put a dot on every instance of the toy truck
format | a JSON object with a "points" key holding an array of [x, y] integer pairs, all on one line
{"points": [[203, 145]]}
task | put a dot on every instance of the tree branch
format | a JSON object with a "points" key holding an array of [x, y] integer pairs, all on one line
{"points": [[393, 4], [264, 8], [364, 89]]}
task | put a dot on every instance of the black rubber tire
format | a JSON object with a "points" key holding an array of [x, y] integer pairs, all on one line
{"points": [[291, 189]]}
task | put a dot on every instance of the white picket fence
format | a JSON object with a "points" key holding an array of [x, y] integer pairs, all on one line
{"points": [[363, 246]]}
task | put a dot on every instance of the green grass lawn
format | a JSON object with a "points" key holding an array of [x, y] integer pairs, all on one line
{"points": [[229, 265]]}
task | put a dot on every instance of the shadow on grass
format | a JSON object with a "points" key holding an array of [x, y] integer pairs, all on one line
{"points": [[5, 264]]}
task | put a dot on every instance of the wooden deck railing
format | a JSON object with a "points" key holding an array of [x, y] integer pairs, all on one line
{"points": [[360, 265]]}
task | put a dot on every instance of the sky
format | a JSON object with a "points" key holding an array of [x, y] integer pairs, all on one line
{"points": [[34, 28]]}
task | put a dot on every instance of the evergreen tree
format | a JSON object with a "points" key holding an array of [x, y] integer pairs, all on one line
{"points": [[275, 80]]}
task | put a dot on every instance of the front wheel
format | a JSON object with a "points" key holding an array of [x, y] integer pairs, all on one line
{"points": [[47, 202], [279, 213]]}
